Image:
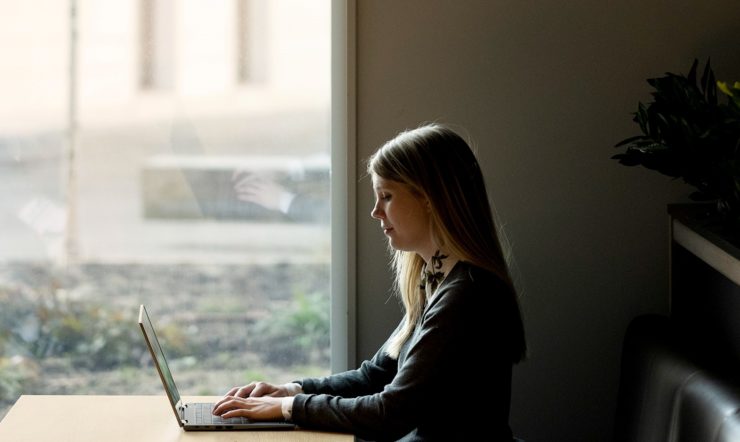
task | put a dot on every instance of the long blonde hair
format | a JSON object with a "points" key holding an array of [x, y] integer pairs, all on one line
{"points": [[436, 163]]}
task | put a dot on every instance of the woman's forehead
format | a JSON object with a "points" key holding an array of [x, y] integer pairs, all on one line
{"points": [[382, 183]]}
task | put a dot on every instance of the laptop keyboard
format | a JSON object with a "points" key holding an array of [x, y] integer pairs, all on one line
{"points": [[204, 416]]}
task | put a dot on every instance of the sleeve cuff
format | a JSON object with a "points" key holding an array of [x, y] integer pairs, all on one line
{"points": [[286, 199], [286, 407], [293, 388]]}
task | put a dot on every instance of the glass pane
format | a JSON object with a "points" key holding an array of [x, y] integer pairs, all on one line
{"points": [[175, 153]]}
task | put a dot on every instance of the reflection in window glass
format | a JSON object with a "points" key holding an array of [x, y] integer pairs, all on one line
{"points": [[173, 153]]}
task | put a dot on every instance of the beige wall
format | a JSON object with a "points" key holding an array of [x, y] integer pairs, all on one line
{"points": [[545, 89]]}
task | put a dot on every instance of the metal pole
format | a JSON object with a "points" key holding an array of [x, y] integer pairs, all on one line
{"points": [[70, 242]]}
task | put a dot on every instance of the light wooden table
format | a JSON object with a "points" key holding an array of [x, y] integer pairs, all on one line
{"points": [[123, 418]]}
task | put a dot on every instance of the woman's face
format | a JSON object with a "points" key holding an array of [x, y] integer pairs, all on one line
{"points": [[404, 217]]}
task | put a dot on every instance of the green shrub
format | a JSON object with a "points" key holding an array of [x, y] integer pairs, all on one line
{"points": [[16, 374], [42, 325], [296, 334]]}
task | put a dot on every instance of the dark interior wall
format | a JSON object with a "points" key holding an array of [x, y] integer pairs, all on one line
{"points": [[544, 89]]}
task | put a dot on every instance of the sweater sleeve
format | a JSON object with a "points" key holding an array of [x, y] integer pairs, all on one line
{"points": [[370, 378], [414, 390]]}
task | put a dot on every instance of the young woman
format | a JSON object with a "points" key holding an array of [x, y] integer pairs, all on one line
{"points": [[428, 381]]}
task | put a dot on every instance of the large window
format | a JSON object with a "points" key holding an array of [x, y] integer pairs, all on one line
{"points": [[174, 153]]}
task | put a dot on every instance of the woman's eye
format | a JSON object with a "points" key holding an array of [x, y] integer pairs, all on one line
{"points": [[385, 197]]}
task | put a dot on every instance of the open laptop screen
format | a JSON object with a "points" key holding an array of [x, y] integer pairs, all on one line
{"points": [[158, 355]]}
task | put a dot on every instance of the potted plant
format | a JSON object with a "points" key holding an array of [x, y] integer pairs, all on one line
{"points": [[691, 132]]}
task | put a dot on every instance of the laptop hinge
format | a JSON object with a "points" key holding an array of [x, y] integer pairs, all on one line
{"points": [[181, 412]]}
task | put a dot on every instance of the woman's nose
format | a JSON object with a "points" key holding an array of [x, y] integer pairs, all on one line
{"points": [[376, 212]]}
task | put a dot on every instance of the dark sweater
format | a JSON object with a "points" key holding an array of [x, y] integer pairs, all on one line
{"points": [[439, 388]]}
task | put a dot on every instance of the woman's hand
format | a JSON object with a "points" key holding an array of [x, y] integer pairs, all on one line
{"points": [[258, 389], [261, 189], [256, 408]]}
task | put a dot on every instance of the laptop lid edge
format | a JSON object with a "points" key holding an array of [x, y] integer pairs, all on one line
{"points": [[177, 405]]}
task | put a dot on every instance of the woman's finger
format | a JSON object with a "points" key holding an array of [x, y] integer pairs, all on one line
{"points": [[245, 391], [227, 404]]}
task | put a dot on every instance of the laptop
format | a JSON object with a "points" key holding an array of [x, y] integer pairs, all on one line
{"points": [[195, 416]]}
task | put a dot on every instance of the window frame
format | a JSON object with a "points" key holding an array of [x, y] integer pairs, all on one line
{"points": [[343, 315]]}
